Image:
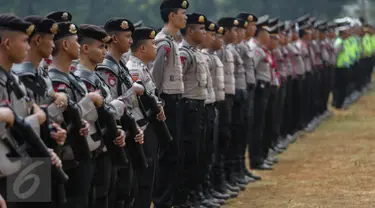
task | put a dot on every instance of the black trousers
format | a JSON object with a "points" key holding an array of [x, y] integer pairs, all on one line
{"points": [[298, 101], [280, 132], [78, 186], [237, 148], [270, 134], [209, 144], [341, 86], [192, 138], [146, 177], [170, 160], [102, 180], [288, 113], [224, 136], [306, 102], [249, 117], [262, 93]]}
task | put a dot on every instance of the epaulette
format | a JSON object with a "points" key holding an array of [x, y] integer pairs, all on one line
{"points": [[24, 69], [86, 76], [57, 76]]}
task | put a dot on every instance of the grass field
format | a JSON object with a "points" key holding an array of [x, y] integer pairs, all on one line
{"points": [[331, 167]]}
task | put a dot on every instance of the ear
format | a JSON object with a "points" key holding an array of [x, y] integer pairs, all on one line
{"points": [[37, 39], [84, 48], [6, 42], [143, 48], [114, 39], [172, 15], [64, 45]]}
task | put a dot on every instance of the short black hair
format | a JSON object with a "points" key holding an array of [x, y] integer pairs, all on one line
{"points": [[84, 40], [136, 44], [165, 13], [56, 49], [184, 30]]}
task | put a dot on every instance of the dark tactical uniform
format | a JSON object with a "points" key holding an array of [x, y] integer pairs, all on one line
{"points": [[103, 163], [140, 73], [93, 82], [115, 75], [13, 92], [81, 173], [167, 74]]}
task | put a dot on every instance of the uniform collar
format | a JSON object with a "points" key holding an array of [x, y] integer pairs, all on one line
{"points": [[165, 31], [81, 67], [188, 45], [137, 60]]}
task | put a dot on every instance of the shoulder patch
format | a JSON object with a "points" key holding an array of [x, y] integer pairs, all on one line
{"points": [[58, 87], [183, 59], [167, 50], [111, 80]]}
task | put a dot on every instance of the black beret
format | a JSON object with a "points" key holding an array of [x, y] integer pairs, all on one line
{"points": [[42, 24], [196, 18], [228, 22], [211, 26], [273, 21], [242, 23], [94, 32], [118, 24], [65, 29], [60, 16], [247, 16], [143, 33], [174, 4], [14, 23]]}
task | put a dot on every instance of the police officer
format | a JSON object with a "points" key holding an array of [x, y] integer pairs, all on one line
{"points": [[271, 126], [342, 49], [299, 66], [67, 49], [238, 142], [167, 73], [93, 40], [143, 51], [208, 149], [217, 74], [14, 34], [195, 85], [262, 63], [36, 80], [225, 108], [287, 121], [116, 76], [282, 66], [245, 51]]}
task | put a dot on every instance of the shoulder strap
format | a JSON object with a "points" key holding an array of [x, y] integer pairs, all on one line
{"points": [[57, 76], [191, 56], [24, 69], [86, 76]]}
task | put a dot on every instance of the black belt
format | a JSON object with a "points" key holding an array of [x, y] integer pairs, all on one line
{"points": [[172, 96], [261, 82]]}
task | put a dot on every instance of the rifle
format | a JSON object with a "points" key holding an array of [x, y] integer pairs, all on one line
{"points": [[136, 152], [116, 153], [78, 143], [25, 133], [160, 127], [45, 130]]}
